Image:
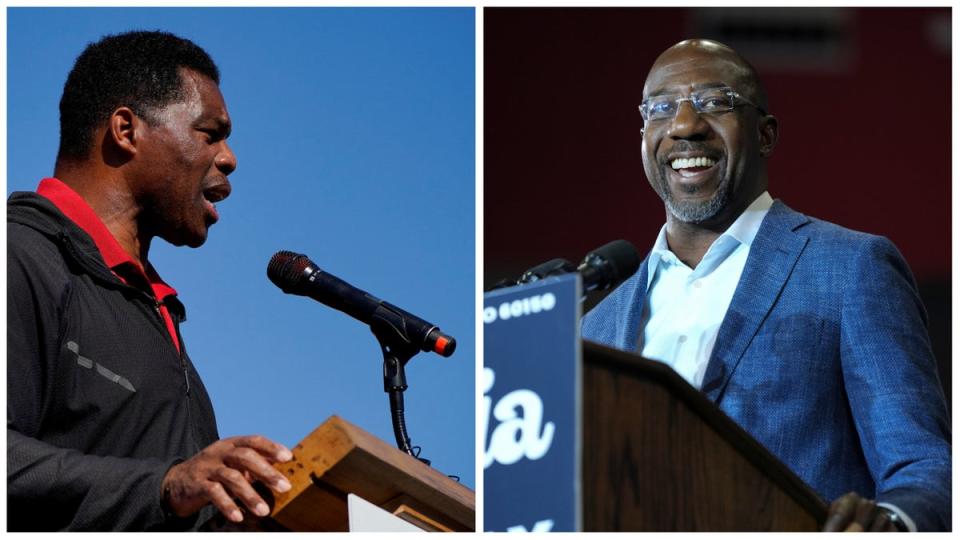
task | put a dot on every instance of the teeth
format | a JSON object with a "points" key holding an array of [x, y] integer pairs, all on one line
{"points": [[686, 163]]}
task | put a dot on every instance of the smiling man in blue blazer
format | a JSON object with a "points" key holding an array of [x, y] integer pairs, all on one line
{"points": [[810, 336]]}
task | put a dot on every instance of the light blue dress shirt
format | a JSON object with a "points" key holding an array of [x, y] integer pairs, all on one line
{"points": [[685, 306]]}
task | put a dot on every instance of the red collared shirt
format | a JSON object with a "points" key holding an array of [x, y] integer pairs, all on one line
{"points": [[119, 261]]}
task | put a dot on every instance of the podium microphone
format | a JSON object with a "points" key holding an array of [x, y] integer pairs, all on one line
{"points": [[609, 265], [603, 268], [296, 274]]}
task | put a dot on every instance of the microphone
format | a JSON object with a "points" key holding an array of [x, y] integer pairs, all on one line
{"points": [[296, 274], [603, 268], [552, 267], [609, 265]]}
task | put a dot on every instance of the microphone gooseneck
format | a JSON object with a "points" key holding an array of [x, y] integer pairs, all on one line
{"points": [[552, 267]]}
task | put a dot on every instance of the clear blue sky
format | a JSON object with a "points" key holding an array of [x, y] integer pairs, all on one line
{"points": [[354, 133]]}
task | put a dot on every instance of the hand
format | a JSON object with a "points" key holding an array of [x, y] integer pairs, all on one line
{"points": [[853, 513], [223, 472]]}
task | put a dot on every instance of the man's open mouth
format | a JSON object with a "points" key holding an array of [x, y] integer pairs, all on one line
{"points": [[693, 165], [214, 194]]}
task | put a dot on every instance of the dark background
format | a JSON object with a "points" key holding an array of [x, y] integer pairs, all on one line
{"points": [[863, 97]]}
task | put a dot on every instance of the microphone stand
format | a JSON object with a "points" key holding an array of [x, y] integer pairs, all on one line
{"points": [[397, 351]]}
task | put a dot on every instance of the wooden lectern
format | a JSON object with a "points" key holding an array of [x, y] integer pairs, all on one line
{"points": [[659, 456], [337, 459]]}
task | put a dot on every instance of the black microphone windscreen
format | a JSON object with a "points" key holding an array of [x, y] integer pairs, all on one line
{"points": [[622, 260], [286, 268], [622, 256]]}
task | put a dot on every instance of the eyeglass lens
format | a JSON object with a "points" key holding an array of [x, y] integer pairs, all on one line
{"points": [[706, 101]]}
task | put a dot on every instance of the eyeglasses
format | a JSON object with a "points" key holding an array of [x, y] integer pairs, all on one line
{"points": [[710, 101]]}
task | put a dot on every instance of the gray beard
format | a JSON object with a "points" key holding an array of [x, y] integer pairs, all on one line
{"points": [[695, 212]]}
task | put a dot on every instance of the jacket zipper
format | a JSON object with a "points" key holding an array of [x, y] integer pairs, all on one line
{"points": [[183, 363], [195, 434]]}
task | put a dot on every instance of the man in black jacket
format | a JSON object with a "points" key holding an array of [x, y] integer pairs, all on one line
{"points": [[108, 423]]}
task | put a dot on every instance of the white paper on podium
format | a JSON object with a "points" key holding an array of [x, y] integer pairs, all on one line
{"points": [[365, 516]]}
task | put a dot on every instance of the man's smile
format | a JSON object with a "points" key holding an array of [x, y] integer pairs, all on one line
{"points": [[689, 173], [697, 164]]}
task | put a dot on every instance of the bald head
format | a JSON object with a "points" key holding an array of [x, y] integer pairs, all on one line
{"points": [[691, 53]]}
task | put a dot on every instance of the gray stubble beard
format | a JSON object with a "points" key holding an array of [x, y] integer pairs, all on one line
{"points": [[691, 211]]}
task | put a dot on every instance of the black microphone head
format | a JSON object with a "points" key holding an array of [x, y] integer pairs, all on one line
{"points": [[287, 268], [609, 265]]}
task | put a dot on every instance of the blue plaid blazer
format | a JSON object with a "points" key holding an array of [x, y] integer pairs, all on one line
{"points": [[823, 357]]}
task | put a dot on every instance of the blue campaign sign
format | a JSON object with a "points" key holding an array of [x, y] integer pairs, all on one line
{"points": [[531, 399]]}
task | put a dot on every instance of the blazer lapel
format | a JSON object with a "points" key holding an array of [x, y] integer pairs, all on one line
{"points": [[630, 328], [773, 255]]}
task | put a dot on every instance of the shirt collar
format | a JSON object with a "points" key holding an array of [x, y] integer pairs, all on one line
{"points": [[116, 258], [660, 251], [744, 229]]}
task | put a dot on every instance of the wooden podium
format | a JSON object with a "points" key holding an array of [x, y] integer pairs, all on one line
{"points": [[659, 456], [338, 459]]}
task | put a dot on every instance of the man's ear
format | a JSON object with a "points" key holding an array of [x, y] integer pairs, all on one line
{"points": [[769, 134], [124, 130]]}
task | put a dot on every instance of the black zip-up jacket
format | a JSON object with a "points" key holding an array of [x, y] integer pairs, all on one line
{"points": [[99, 402]]}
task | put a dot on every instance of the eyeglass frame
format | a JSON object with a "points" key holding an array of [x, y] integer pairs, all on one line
{"points": [[692, 98]]}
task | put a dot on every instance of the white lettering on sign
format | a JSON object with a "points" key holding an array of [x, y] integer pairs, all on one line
{"points": [[519, 308], [544, 525], [520, 431]]}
